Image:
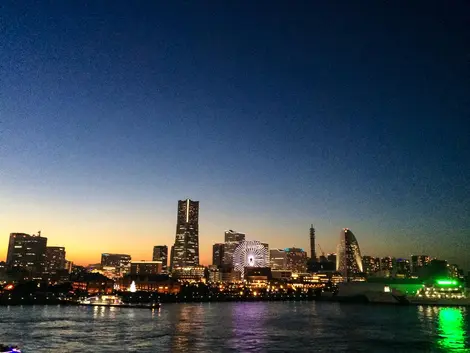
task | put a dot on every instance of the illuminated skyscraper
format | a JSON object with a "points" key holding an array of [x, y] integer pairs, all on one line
{"points": [[387, 265], [55, 259], [27, 252], [218, 254], [278, 259], [296, 260], [160, 253], [313, 254], [232, 240], [371, 264], [186, 248], [349, 260]]}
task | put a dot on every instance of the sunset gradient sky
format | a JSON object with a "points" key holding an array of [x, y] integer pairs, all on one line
{"points": [[273, 115]]}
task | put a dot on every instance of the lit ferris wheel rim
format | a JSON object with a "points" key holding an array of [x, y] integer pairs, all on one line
{"points": [[250, 254]]}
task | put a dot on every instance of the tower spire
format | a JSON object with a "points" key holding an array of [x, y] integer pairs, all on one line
{"points": [[313, 254]]}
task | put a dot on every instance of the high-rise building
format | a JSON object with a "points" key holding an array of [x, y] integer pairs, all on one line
{"points": [[349, 259], [387, 264], [313, 254], [296, 260], [160, 253], [371, 264], [55, 259], [146, 268], [278, 259], [218, 254], [419, 261], [27, 252], [120, 262], [232, 240], [403, 268], [186, 248]]}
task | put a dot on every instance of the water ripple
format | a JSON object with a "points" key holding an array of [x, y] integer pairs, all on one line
{"points": [[237, 327]]}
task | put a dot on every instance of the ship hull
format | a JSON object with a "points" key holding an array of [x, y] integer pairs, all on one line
{"points": [[136, 306]]}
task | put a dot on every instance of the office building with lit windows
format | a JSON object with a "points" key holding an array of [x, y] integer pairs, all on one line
{"points": [[402, 268], [371, 264], [27, 252], [120, 262], [218, 254], [278, 259], [160, 253], [418, 262], [55, 259], [296, 260], [146, 268], [387, 266], [186, 247], [231, 241], [190, 274]]}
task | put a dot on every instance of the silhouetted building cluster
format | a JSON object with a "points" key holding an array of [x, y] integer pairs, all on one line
{"points": [[234, 260], [29, 258]]}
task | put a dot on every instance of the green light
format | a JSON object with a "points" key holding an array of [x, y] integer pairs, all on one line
{"points": [[446, 282], [451, 330]]}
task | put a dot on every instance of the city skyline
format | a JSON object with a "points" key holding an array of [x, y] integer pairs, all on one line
{"points": [[209, 260], [275, 116]]}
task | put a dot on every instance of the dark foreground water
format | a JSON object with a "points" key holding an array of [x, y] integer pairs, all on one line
{"points": [[238, 327]]}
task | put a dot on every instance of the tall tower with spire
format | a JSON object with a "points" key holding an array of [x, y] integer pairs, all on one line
{"points": [[185, 251], [313, 254]]}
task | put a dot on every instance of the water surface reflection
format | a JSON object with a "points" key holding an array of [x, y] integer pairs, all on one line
{"points": [[238, 327]]}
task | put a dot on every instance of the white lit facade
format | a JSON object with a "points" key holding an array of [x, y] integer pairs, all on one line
{"points": [[349, 259]]}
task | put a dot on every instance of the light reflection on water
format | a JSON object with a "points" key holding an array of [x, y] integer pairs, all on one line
{"points": [[452, 329], [237, 327]]}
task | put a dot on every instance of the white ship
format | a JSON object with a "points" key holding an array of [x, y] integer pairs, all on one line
{"points": [[444, 292], [115, 301]]}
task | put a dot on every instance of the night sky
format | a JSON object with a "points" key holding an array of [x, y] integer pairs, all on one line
{"points": [[273, 115]]}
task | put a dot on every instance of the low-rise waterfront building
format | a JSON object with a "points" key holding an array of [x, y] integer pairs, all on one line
{"points": [[190, 274], [93, 283], [162, 283], [146, 267]]}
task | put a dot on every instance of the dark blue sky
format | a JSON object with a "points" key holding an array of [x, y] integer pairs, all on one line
{"points": [[274, 115]]}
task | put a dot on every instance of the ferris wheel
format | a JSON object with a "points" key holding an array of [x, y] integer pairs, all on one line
{"points": [[250, 253]]}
